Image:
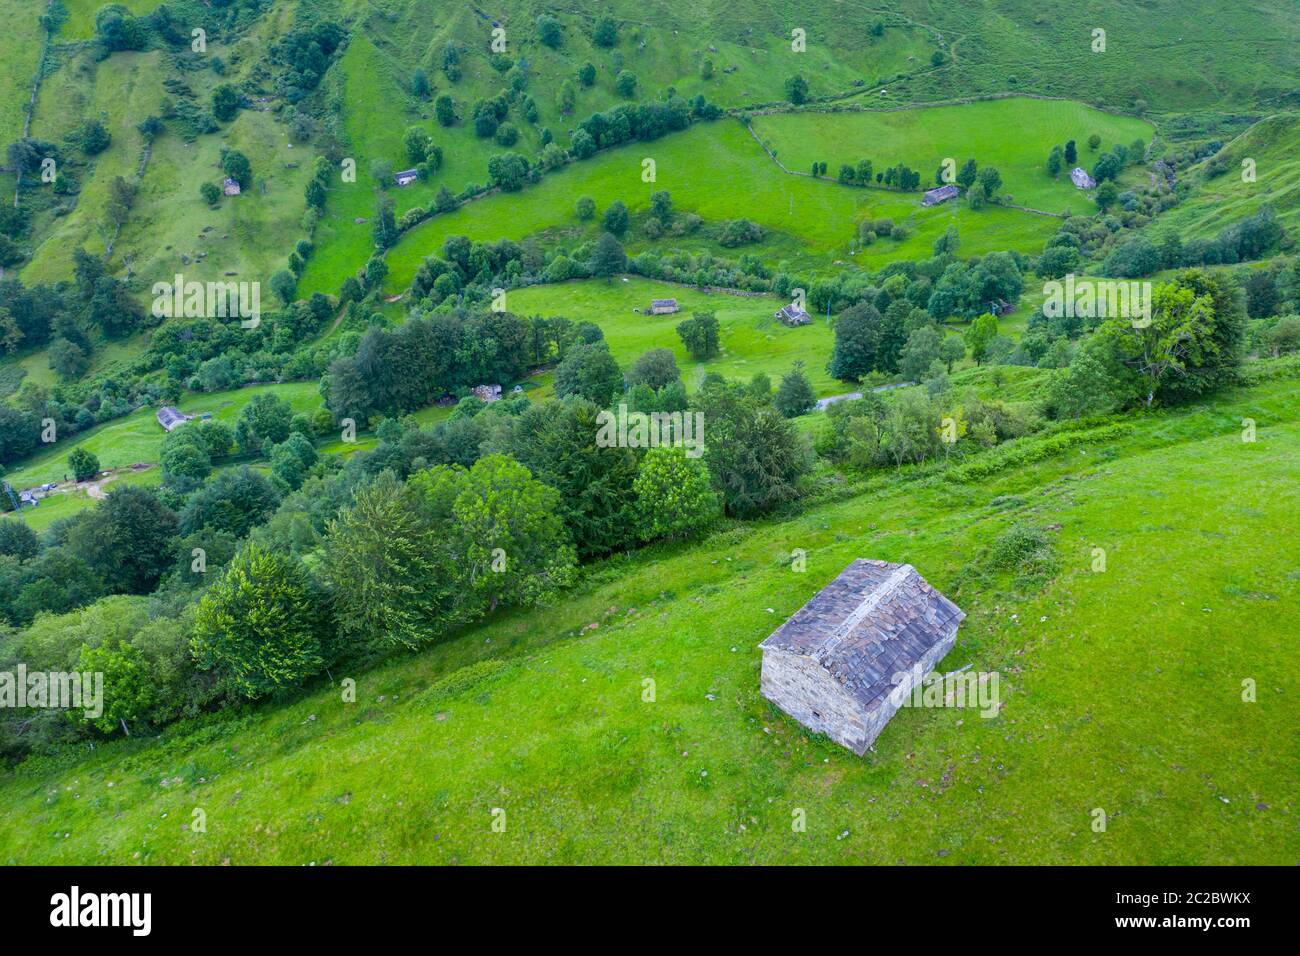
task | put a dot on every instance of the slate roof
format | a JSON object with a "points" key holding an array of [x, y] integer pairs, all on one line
{"points": [[791, 315], [875, 620], [1079, 176], [168, 417], [938, 195]]}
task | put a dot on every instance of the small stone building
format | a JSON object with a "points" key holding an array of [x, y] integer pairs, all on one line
{"points": [[1079, 176], [406, 176], [230, 186], [940, 194], [792, 315], [834, 665], [663, 306], [170, 418]]}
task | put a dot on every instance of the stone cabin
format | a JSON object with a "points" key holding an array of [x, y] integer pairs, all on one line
{"points": [[933, 197], [170, 418], [1079, 176], [663, 306], [835, 664], [230, 186], [488, 393], [406, 177], [792, 315]]}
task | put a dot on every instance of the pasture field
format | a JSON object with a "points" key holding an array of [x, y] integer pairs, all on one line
{"points": [[529, 715], [752, 340], [1013, 135], [719, 172], [20, 50], [137, 438]]}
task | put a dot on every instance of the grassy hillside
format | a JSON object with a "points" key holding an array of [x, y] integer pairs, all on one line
{"points": [[1219, 201], [1121, 691], [718, 171], [923, 138], [752, 340]]}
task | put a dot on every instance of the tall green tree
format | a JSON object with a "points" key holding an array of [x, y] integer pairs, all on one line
{"points": [[259, 626]]}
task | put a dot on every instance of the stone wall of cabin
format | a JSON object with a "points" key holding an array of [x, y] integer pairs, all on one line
{"points": [[803, 689], [807, 692]]}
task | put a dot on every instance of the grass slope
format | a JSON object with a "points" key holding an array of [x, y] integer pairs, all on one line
{"points": [[1274, 145], [1121, 691], [752, 340], [1015, 135], [719, 172]]}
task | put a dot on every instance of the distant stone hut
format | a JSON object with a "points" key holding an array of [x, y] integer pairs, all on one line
{"points": [[792, 315], [1079, 176], [488, 393], [663, 306], [940, 194], [230, 186], [843, 664], [171, 418], [406, 177]]}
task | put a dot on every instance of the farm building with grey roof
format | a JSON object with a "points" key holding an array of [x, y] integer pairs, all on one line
{"points": [[845, 661]]}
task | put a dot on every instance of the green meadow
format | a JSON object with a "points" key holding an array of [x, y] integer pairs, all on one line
{"points": [[751, 339], [719, 172], [137, 438], [1014, 135], [1120, 690]]}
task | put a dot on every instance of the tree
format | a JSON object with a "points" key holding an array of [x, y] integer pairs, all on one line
{"points": [[606, 32], [990, 179], [625, 83], [128, 692], [236, 500], [608, 257], [263, 421], [92, 137], [966, 175], [1054, 162], [616, 218], [392, 578], [795, 395], [258, 626], [661, 204], [18, 540], [504, 529], [857, 341], [700, 335], [951, 350], [210, 192], [236, 166], [127, 539], [1094, 141], [225, 102], [549, 31], [444, 108], [755, 455], [979, 334], [284, 284], [420, 84], [796, 89], [920, 352], [83, 463], [585, 208], [587, 74], [1178, 337], [508, 171], [589, 370], [655, 368], [417, 143], [674, 495]]}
